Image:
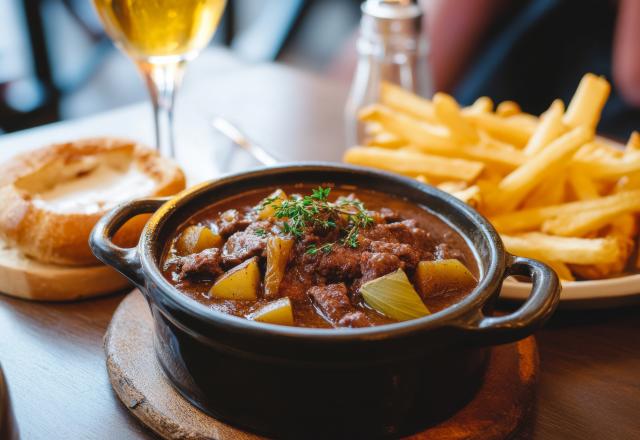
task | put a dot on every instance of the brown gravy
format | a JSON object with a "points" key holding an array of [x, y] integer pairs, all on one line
{"points": [[403, 232]]}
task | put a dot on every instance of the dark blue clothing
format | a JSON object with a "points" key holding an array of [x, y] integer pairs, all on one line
{"points": [[539, 50]]}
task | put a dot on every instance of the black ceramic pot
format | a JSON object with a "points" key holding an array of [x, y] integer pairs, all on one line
{"points": [[325, 383]]}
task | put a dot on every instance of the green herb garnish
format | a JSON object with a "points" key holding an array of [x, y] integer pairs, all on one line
{"points": [[313, 249], [316, 210], [260, 232]]}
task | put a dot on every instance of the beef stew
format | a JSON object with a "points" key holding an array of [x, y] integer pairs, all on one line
{"points": [[320, 256]]}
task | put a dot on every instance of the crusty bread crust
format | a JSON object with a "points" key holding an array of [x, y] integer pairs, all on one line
{"points": [[62, 237], [23, 277]]}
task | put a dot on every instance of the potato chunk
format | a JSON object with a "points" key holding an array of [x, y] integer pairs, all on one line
{"points": [[442, 276], [269, 210], [241, 282], [196, 238], [278, 252], [275, 312]]}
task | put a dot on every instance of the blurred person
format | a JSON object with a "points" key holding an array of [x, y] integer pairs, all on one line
{"points": [[533, 52]]}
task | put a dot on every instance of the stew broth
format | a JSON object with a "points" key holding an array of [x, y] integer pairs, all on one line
{"points": [[324, 272]]}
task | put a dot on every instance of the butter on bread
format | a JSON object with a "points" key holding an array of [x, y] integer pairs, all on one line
{"points": [[51, 198]]}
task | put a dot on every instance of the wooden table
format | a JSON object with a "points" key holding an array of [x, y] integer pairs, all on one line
{"points": [[52, 353]]}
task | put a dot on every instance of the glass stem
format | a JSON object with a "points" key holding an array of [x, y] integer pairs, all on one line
{"points": [[163, 80]]}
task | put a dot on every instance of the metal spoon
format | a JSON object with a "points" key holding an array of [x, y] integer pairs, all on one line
{"points": [[237, 137]]}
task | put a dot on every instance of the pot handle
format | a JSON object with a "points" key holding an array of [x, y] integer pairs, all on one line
{"points": [[543, 300], [124, 260]]}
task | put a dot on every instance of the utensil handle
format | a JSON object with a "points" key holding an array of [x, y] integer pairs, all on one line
{"points": [[124, 260], [543, 300], [236, 136]]}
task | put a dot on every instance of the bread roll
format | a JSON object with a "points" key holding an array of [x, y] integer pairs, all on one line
{"points": [[51, 198]]}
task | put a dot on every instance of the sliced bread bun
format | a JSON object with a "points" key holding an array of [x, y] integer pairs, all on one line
{"points": [[24, 277], [51, 198]]}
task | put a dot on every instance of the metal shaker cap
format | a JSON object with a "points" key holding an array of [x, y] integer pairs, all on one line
{"points": [[386, 18]]}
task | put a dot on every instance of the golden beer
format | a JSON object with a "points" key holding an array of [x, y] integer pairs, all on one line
{"points": [[161, 28]]}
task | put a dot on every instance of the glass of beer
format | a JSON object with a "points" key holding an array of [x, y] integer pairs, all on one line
{"points": [[161, 36]]}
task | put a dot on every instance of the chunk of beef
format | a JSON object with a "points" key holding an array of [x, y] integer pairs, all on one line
{"points": [[333, 303], [204, 265], [354, 319], [295, 284], [447, 251], [388, 215], [406, 232], [342, 263], [407, 253], [245, 244], [232, 221], [376, 264]]}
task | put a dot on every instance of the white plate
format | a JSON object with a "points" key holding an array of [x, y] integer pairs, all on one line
{"points": [[611, 292]]}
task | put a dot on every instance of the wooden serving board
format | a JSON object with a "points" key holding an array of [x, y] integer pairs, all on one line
{"points": [[496, 413]]}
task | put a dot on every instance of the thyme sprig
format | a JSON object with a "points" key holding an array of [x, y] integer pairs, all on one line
{"points": [[315, 211]]}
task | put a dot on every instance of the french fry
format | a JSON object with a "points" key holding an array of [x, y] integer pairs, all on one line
{"points": [[581, 223], [527, 121], [623, 229], [583, 187], [625, 226], [472, 196], [563, 249], [494, 153], [501, 155], [529, 219], [491, 177], [484, 152], [483, 104], [399, 99], [550, 192], [607, 149], [372, 129], [501, 146], [598, 150], [607, 169], [560, 268], [633, 144], [413, 164], [628, 183], [433, 138], [589, 151], [508, 108], [452, 186], [549, 129], [448, 113], [515, 186], [504, 129], [587, 102], [552, 189], [385, 140], [460, 190]]}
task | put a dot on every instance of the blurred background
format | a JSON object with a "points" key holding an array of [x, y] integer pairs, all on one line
{"points": [[56, 63]]}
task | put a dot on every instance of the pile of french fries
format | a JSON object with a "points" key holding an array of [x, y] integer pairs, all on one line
{"points": [[553, 189]]}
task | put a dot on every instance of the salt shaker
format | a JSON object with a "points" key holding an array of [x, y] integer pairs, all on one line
{"points": [[389, 49]]}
